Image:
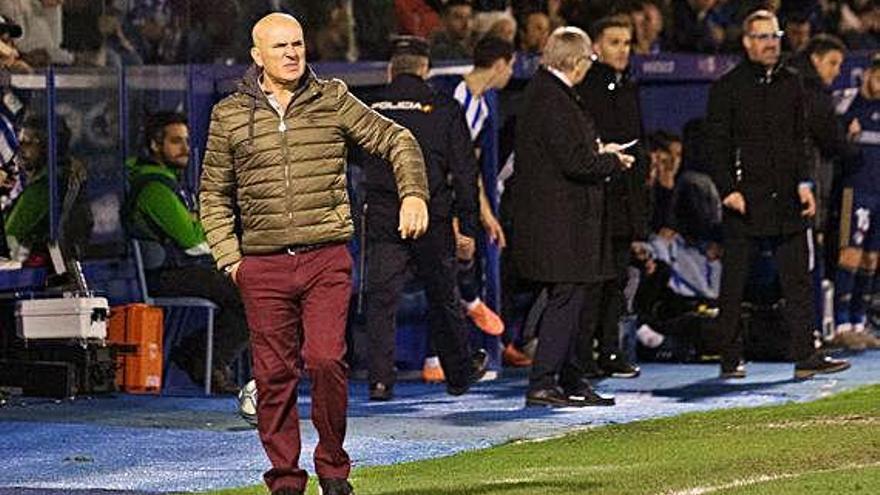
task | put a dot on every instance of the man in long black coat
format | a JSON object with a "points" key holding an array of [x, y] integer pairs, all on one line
{"points": [[559, 215], [612, 99], [757, 133]]}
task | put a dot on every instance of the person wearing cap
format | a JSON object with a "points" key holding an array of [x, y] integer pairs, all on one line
{"points": [[856, 283], [10, 58], [277, 150], [439, 126]]}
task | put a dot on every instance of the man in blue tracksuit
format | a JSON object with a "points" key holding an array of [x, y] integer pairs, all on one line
{"points": [[856, 280]]}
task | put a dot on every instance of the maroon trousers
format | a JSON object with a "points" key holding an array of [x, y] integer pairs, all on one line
{"points": [[296, 307]]}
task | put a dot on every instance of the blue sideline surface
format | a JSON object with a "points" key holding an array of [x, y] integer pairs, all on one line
{"points": [[163, 444]]}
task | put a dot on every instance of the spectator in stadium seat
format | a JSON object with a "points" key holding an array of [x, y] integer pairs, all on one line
{"points": [[455, 40], [694, 28], [374, 21], [661, 181], [418, 17], [532, 37], [612, 99], [27, 224], [857, 283], [502, 26], [160, 211], [10, 58], [452, 173], [863, 30], [757, 127], [562, 243], [797, 33], [41, 30], [277, 148]]}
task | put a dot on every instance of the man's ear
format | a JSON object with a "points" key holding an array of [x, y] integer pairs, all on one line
{"points": [[257, 56], [154, 147]]}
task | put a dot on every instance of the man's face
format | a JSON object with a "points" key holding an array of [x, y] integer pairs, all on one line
{"points": [[32, 150], [797, 34], [827, 65], [281, 50], [536, 32], [174, 148], [653, 20], [762, 42], [503, 72], [871, 85], [613, 47], [458, 21]]}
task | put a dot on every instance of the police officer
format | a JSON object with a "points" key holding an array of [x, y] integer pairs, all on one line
{"points": [[439, 126], [757, 129]]}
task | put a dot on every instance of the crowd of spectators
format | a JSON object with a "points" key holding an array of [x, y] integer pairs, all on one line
{"points": [[114, 33]]}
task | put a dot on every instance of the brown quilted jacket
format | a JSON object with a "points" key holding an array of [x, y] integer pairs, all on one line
{"points": [[288, 175]]}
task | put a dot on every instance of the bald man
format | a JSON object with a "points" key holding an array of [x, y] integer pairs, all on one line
{"points": [[277, 149]]}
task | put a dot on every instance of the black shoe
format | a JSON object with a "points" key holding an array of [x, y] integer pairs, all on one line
{"points": [[616, 366], [818, 363], [334, 486], [479, 362], [381, 392], [583, 395], [287, 491], [551, 396], [733, 370]]}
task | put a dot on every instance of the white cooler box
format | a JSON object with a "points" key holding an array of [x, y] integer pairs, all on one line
{"points": [[63, 318]]}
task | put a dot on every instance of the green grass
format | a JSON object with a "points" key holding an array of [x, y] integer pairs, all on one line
{"points": [[822, 447]]}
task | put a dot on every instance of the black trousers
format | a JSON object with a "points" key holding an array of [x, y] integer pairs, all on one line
{"points": [[231, 334], [433, 258], [791, 253], [601, 321], [561, 334]]}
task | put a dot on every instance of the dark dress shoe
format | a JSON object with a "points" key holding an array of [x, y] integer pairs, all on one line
{"points": [[479, 362], [584, 396], [818, 363], [381, 392], [335, 486], [616, 366], [733, 370], [551, 396]]}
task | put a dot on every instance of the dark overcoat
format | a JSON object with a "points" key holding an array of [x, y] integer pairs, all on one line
{"points": [[559, 212]]}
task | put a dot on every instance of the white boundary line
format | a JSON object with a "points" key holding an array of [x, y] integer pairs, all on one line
{"points": [[765, 478]]}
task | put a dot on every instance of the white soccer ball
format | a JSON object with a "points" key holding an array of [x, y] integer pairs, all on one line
{"points": [[247, 402]]}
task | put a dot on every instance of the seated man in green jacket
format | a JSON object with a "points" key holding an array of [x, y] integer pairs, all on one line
{"points": [[161, 212], [27, 223]]}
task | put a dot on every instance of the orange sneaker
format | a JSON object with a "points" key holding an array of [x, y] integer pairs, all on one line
{"points": [[515, 357], [485, 319], [432, 372]]}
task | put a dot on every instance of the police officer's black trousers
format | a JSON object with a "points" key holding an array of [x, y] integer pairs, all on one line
{"points": [[433, 258], [792, 257]]}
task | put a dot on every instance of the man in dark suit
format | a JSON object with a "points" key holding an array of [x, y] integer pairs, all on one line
{"points": [[559, 219], [757, 135]]}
